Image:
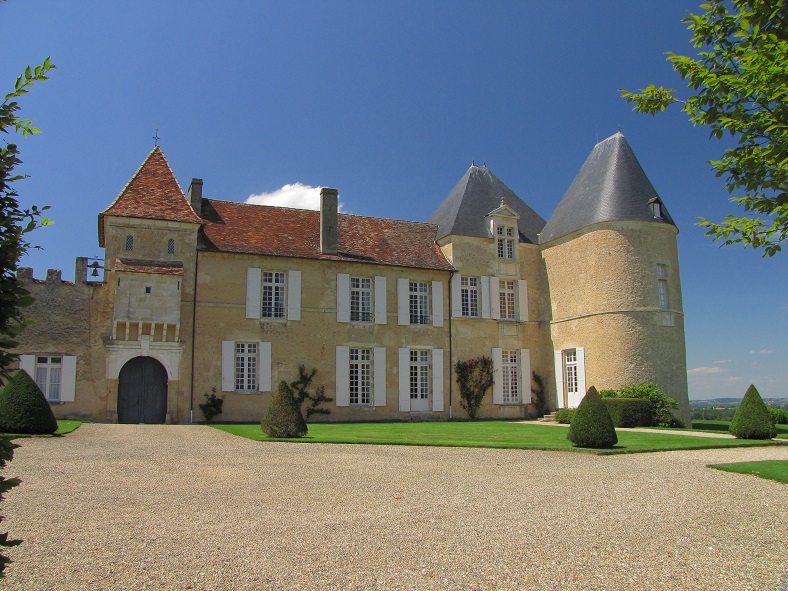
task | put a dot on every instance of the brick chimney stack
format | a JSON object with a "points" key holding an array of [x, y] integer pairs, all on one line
{"points": [[195, 196], [328, 220]]}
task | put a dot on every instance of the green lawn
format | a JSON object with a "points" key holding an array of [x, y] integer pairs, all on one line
{"points": [[768, 469], [63, 427], [722, 427], [499, 434]]}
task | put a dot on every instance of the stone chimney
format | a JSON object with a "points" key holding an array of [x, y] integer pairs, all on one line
{"points": [[328, 220], [195, 196]]}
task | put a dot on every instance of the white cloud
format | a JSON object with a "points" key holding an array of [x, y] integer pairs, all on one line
{"points": [[722, 361], [704, 370], [733, 379], [762, 352], [296, 195]]}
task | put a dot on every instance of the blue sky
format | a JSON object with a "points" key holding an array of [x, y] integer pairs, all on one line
{"points": [[389, 103]]}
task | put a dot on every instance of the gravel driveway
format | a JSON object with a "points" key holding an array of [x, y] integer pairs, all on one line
{"points": [[189, 507]]}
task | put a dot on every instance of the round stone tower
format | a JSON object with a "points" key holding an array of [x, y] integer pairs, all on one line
{"points": [[612, 266]]}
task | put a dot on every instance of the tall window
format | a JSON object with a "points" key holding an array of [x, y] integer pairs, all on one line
{"points": [[360, 299], [419, 303], [662, 285], [360, 376], [570, 371], [129, 243], [246, 367], [48, 374], [469, 295], [505, 236], [506, 294], [511, 371], [171, 246], [273, 295], [419, 374]]}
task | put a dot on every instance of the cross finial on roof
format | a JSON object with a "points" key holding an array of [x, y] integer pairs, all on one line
{"points": [[156, 138]]}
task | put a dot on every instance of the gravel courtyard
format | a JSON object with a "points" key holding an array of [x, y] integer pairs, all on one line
{"points": [[189, 507]]}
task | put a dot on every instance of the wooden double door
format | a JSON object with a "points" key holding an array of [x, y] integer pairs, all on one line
{"points": [[142, 391]]}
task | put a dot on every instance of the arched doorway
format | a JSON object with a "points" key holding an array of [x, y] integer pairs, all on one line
{"points": [[142, 391]]}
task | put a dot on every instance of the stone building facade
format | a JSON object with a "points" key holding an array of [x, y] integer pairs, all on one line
{"points": [[201, 295]]}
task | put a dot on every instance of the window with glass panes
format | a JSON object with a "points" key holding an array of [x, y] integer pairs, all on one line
{"points": [[48, 376], [662, 285], [419, 374], [360, 376], [360, 299], [570, 371], [510, 377], [246, 367], [419, 303], [507, 297], [273, 295], [469, 296], [505, 236]]}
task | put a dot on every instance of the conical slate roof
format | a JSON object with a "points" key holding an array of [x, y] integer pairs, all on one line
{"points": [[478, 193], [152, 193], [611, 186]]}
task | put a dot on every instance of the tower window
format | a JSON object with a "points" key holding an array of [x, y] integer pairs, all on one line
{"points": [[171, 246], [129, 243]]}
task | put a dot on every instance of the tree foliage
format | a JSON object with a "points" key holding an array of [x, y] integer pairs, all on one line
{"points": [[301, 394], [591, 424], [474, 377], [752, 419], [283, 416], [661, 405], [739, 86], [15, 222], [6, 484], [24, 408]]}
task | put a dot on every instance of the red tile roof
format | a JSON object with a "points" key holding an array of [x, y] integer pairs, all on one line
{"points": [[155, 267], [152, 193], [281, 231]]}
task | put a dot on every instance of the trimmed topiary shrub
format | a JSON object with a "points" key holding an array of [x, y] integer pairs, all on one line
{"points": [[283, 417], [661, 405], [629, 412], [24, 408], [564, 415], [752, 419], [592, 426]]}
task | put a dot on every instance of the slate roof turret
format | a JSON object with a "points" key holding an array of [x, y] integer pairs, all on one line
{"points": [[611, 186], [152, 193], [478, 193]]}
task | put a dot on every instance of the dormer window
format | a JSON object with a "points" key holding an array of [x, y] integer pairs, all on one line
{"points": [[129, 243], [505, 237]]}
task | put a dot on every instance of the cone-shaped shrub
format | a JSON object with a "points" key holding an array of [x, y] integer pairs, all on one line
{"points": [[591, 424], [24, 408], [283, 417], [752, 419]]}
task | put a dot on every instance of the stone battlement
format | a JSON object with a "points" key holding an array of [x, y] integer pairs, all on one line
{"points": [[55, 276]]}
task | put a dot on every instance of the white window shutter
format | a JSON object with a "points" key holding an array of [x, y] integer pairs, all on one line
{"points": [[342, 396], [522, 288], [380, 300], [228, 366], [254, 285], [437, 303], [68, 378], [495, 297], [379, 387], [404, 379], [456, 295], [437, 380], [28, 363], [294, 295], [403, 303], [497, 359], [343, 297], [525, 374], [581, 372], [485, 293], [264, 367], [559, 379]]}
